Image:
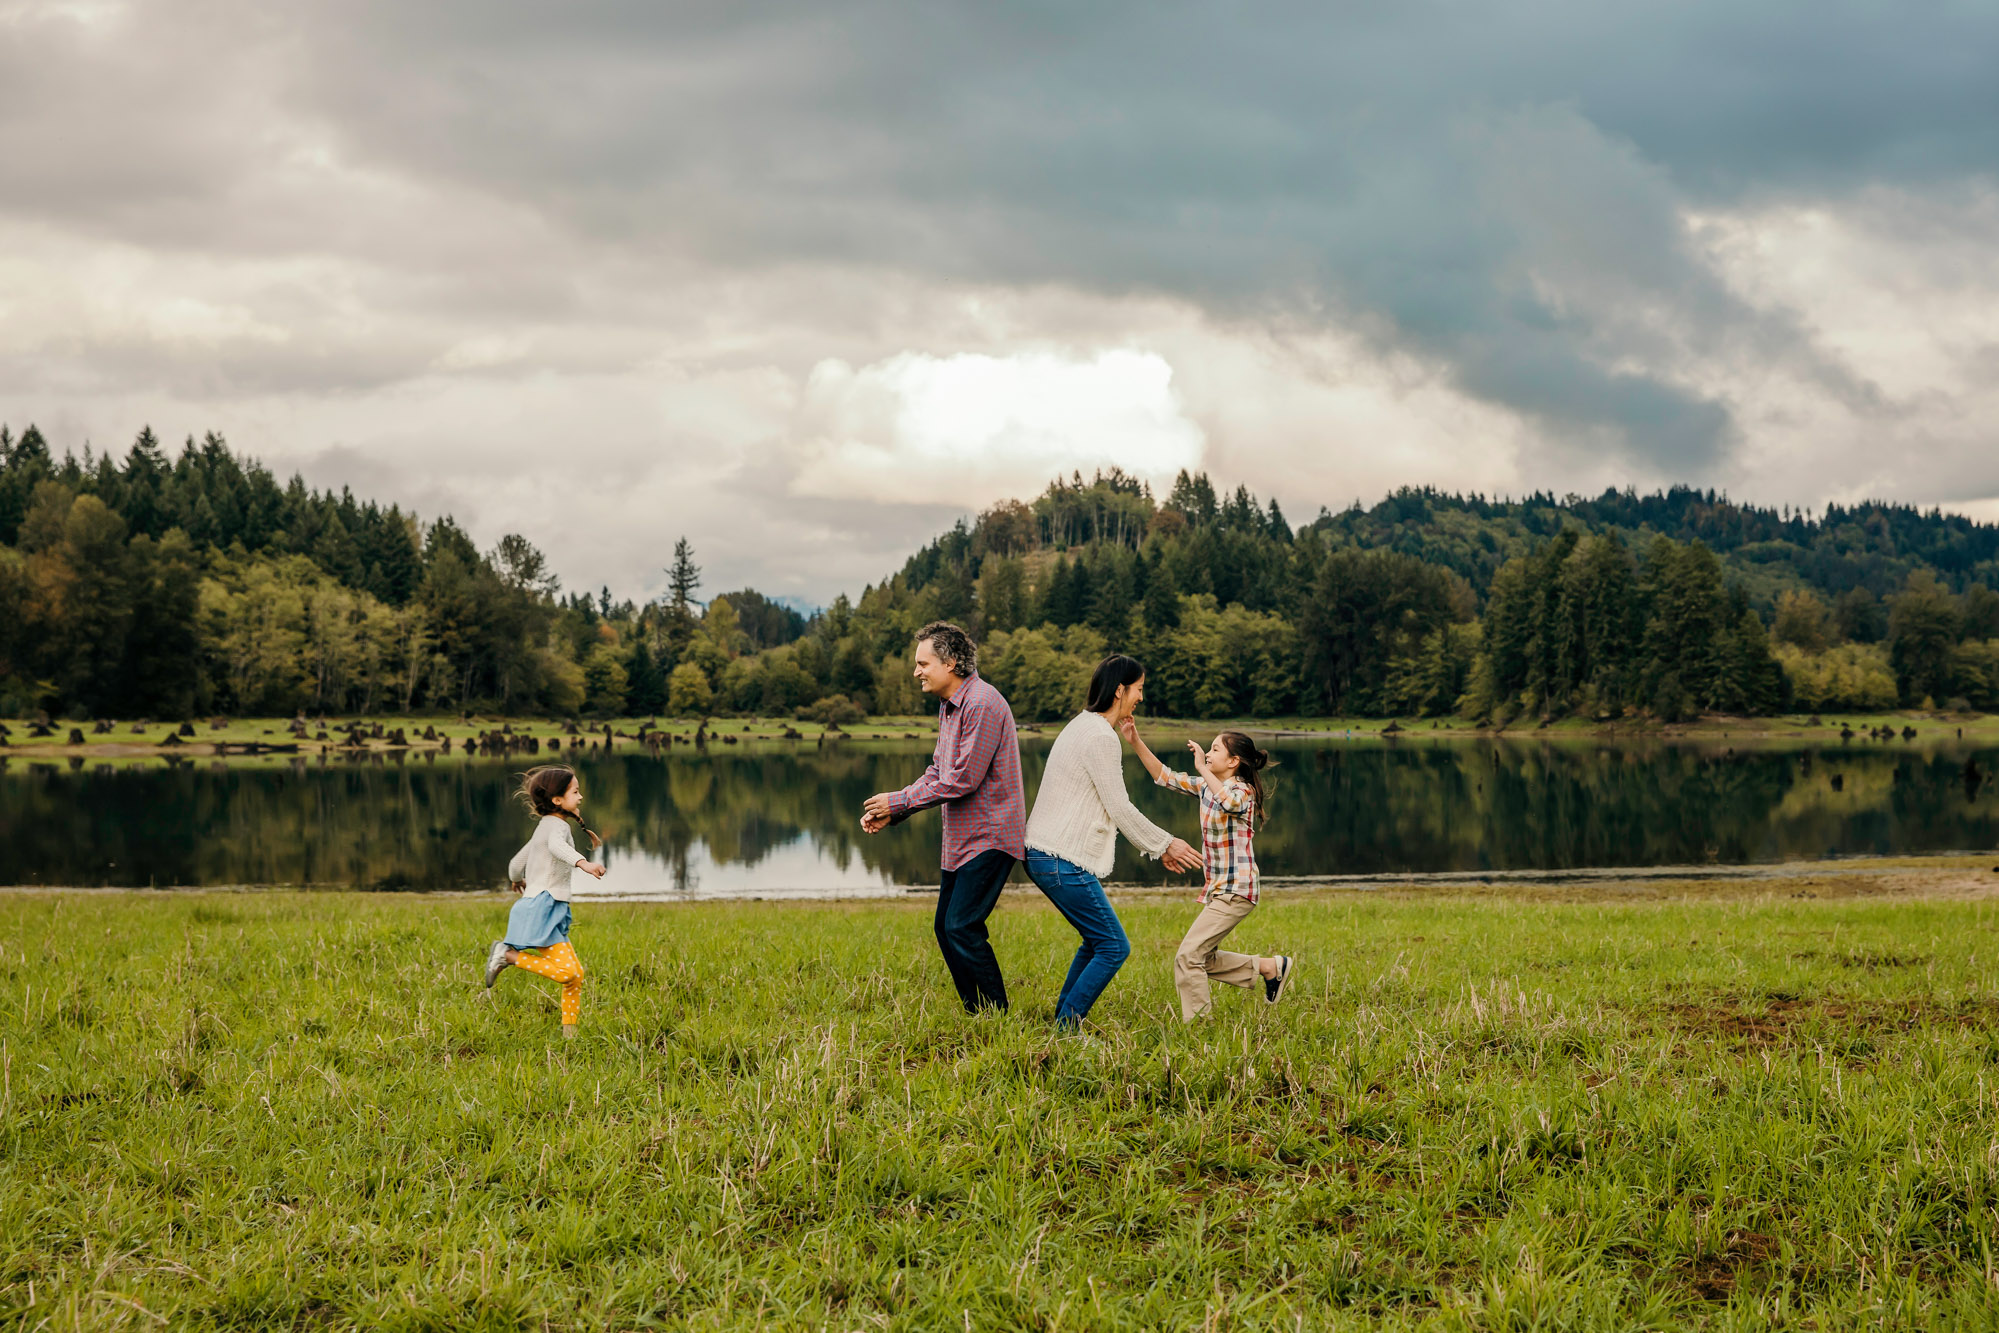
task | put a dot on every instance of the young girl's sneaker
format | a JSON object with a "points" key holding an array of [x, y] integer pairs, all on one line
{"points": [[1273, 987], [496, 962]]}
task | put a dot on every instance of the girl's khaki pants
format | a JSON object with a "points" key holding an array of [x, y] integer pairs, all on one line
{"points": [[1199, 962]]}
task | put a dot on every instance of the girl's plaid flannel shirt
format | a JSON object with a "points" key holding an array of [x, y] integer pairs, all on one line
{"points": [[1228, 823]]}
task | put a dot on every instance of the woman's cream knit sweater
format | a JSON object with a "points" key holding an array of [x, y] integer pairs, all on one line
{"points": [[1082, 805]]}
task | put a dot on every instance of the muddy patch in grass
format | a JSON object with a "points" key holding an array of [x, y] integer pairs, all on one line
{"points": [[1747, 1258], [1866, 962], [1751, 1021]]}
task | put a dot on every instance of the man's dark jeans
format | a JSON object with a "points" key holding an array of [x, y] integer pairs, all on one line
{"points": [[965, 898]]}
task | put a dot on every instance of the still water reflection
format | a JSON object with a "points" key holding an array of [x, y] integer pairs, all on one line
{"points": [[782, 821]]}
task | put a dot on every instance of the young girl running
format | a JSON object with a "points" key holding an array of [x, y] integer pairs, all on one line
{"points": [[1231, 795], [540, 873]]}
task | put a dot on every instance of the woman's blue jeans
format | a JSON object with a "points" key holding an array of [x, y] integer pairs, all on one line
{"points": [[1079, 897]]}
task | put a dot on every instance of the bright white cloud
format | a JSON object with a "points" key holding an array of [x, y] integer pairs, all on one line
{"points": [[966, 428]]}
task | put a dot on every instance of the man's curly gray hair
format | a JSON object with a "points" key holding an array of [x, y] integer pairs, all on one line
{"points": [[952, 645]]}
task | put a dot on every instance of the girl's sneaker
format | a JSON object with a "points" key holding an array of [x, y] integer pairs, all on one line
{"points": [[496, 962], [1273, 987]]}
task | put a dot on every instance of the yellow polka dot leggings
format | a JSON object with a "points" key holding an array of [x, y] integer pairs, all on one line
{"points": [[558, 962]]}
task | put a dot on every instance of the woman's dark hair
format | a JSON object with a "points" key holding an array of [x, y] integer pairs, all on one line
{"points": [[1112, 674], [1249, 765], [542, 787]]}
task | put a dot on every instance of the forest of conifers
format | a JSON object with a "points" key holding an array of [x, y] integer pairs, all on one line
{"points": [[174, 586]]}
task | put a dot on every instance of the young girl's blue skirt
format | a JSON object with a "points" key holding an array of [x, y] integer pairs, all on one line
{"points": [[537, 922]]}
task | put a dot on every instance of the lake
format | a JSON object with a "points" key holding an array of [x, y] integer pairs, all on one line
{"points": [[780, 820]]}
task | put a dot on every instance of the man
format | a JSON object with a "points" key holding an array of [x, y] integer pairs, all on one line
{"points": [[974, 774]]}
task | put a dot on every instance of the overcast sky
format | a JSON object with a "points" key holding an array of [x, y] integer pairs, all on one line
{"points": [[806, 282]]}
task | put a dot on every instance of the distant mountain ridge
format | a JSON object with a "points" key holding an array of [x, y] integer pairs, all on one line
{"points": [[1872, 545]]}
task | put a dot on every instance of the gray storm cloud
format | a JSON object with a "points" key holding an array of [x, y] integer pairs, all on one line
{"points": [[1493, 185], [1498, 194]]}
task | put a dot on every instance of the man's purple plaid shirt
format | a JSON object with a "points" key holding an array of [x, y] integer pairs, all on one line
{"points": [[975, 775]]}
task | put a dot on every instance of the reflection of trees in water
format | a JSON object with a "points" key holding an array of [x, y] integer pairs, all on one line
{"points": [[1518, 805], [1338, 808]]}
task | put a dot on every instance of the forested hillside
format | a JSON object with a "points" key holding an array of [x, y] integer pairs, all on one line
{"points": [[167, 587]]}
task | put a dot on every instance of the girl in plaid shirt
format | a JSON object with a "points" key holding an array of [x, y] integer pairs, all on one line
{"points": [[1231, 795]]}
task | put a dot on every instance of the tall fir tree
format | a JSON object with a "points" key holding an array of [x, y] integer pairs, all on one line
{"points": [[677, 623]]}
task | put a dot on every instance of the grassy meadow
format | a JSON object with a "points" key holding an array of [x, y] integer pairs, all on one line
{"points": [[299, 1111]]}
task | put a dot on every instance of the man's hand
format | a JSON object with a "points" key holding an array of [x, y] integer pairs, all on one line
{"points": [[1200, 755], [873, 823], [878, 806], [1179, 856]]}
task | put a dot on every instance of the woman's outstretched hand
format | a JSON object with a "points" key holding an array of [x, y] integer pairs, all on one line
{"points": [[1179, 856]]}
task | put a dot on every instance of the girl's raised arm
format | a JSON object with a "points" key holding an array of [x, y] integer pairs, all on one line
{"points": [[1129, 730], [1208, 778]]}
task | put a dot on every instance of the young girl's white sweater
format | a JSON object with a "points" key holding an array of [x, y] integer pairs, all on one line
{"points": [[548, 860], [1082, 805]]}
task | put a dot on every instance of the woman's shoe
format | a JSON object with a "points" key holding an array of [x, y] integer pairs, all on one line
{"points": [[1273, 987]]}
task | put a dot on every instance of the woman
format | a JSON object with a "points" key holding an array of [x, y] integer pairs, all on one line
{"points": [[1072, 832]]}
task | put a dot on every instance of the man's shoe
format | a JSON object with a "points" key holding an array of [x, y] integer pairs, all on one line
{"points": [[1273, 987], [496, 962]]}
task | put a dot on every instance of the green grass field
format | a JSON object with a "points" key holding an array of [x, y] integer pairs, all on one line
{"points": [[299, 1111]]}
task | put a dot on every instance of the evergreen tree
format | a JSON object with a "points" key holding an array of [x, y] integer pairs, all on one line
{"points": [[683, 578], [89, 651], [1077, 593], [1109, 611], [1858, 616], [161, 671], [338, 554], [1278, 529], [1922, 631], [645, 689], [139, 495], [951, 593], [1193, 498], [24, 465], [445, 537], [1002, 591], [397, 563], [1161, 606]]}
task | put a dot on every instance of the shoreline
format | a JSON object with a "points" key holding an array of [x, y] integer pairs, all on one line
{"points": [[267, 740], [1944, 875]]}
